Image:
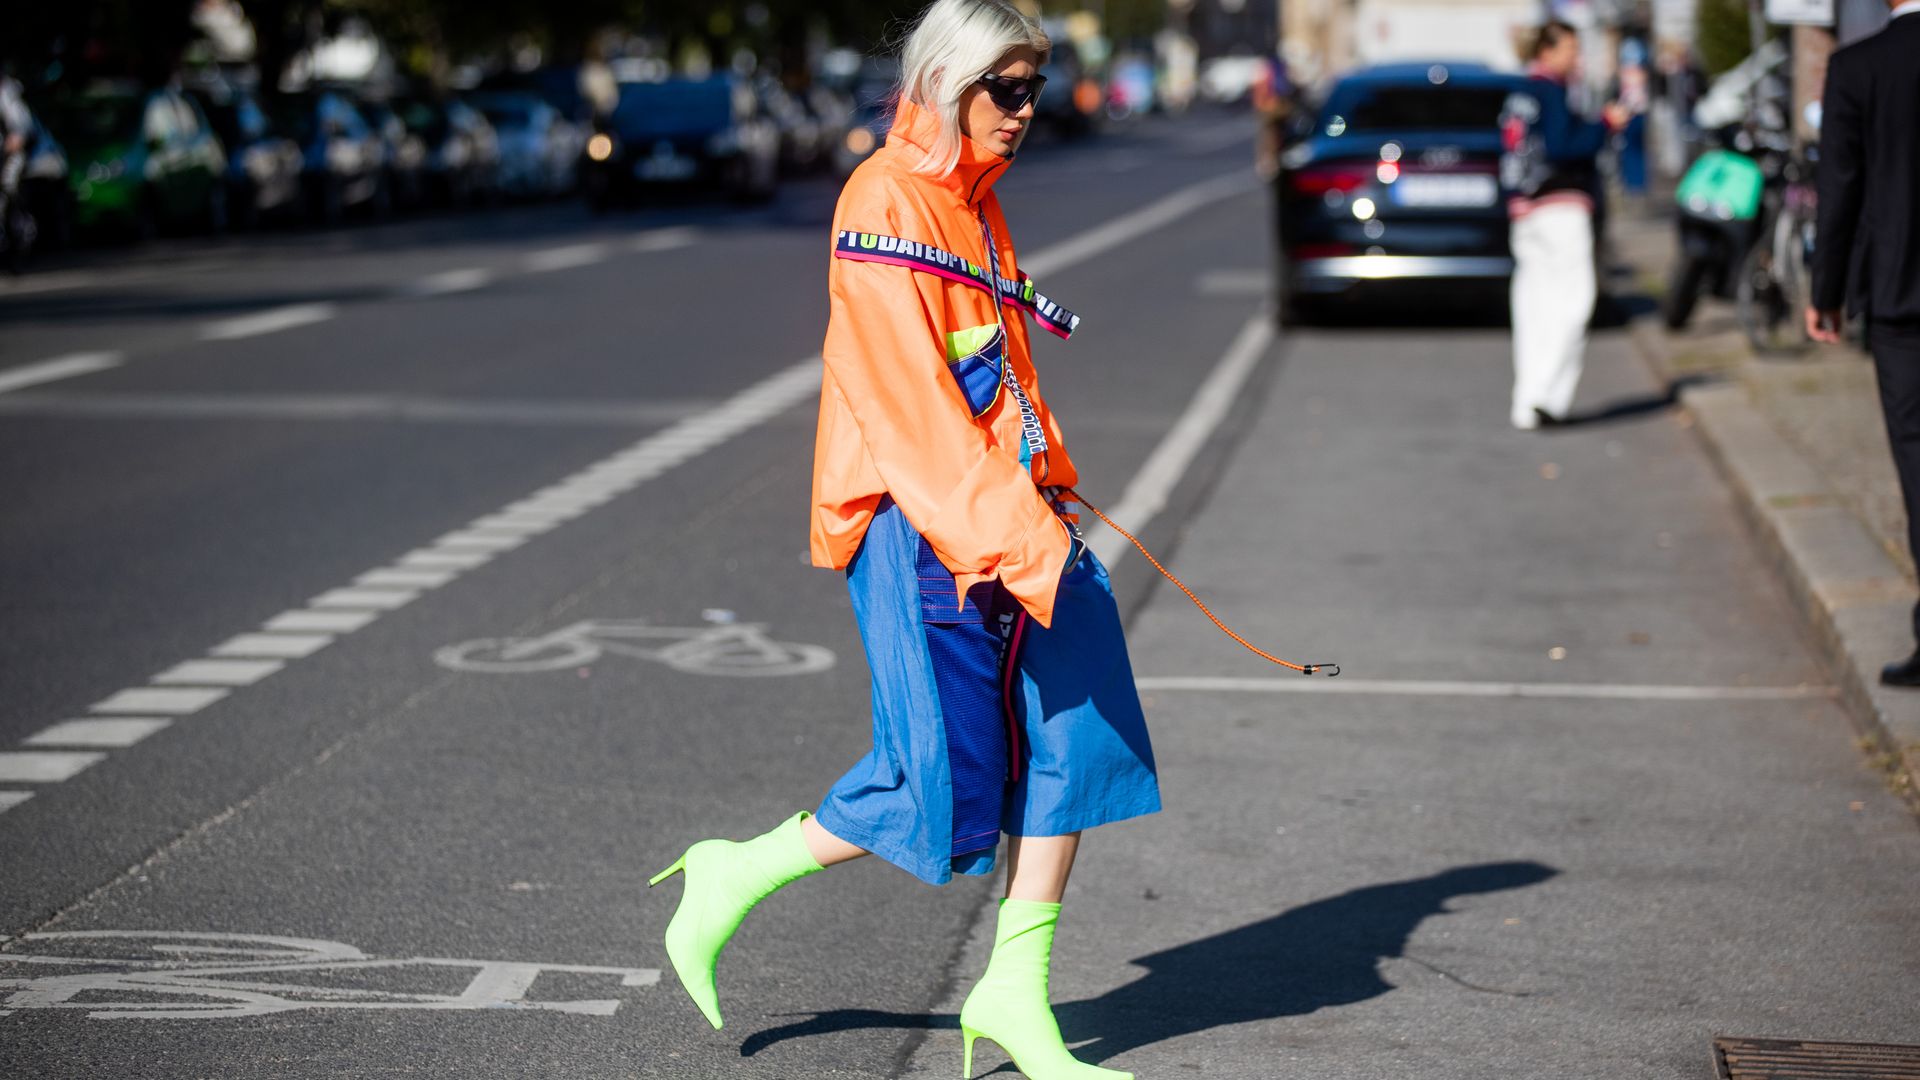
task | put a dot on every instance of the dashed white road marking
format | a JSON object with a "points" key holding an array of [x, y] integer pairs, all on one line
{"points": [[218, 672], [406, 579], [272, 646], [165, 700], [1451, 688], [111, 732], [270, 321], [11, 799], [60, 367], [363, 599], [1146, 494], [302, 620], [457, 560], [565, 258], [447, 282], [476, 540], [663, 239], [44, 766]]}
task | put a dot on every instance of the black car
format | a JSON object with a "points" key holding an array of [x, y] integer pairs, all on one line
{"points": [[263, 165], [705, 133], [344, 158], [1393, 178]]}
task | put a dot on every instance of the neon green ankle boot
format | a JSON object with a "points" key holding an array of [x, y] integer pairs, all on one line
{"points": [[1009, 1004], [724, 880]]}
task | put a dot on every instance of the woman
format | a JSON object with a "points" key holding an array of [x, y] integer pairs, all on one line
{"points": [[1002, 696]]}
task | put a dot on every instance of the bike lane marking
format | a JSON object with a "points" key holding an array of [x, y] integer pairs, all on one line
{"points": [[192, 685]]}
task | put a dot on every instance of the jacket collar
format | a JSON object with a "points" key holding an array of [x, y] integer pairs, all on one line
{"points": [[972, 176]]}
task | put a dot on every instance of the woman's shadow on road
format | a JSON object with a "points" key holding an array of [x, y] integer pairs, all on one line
{"points": [[1310, 957]]}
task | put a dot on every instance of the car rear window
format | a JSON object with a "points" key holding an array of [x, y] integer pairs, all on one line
{"points": [[1414, 108]]}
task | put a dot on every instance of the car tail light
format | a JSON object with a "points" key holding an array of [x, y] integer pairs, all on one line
{"points": [[1320, 179]]}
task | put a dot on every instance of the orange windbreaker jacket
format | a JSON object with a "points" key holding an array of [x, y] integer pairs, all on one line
{"points": [[906, 407]]}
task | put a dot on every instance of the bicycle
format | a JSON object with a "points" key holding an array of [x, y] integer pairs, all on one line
{"points": [[732, 649], [1775, 280]]}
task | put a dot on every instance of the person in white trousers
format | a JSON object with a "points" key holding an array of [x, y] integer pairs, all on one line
{"points": [[1550, 167]]}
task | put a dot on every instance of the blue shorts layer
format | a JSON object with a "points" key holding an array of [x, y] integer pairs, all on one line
{"points": [[983, 721]]}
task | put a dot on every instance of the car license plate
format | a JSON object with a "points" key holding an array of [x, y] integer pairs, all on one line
{"points": [[1445, 190], [665, 168]]}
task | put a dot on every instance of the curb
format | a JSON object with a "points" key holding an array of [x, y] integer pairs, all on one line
{"points": [[1855, 599]]}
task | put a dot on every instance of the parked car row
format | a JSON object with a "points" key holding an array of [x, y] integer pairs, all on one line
{"points": [[115, 158]]}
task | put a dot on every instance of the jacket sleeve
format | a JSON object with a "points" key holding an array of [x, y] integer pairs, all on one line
{"points": [[974, 503], [1840, 182], [1564, 137]]}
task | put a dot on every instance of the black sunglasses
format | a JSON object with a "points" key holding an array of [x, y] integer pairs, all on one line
{"points": [[1012, 95]]}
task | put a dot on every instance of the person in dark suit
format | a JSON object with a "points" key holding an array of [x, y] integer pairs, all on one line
{"points": [[1870, 199]]}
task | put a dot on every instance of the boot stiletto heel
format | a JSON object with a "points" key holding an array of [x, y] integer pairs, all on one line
{"points": [[678, 865], [966, 1062], [1009, 1004], [723, 881]]}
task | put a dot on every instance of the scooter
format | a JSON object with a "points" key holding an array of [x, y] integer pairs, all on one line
{"points": [[1719, 217]]}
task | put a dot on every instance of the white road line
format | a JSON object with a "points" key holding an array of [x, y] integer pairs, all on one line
{"points": [[304, 620], [60, 367], [217, 672], [167, 701], [1446, 688], [1146, 494], [375, 599], [270, 321], [473, 540], [406, 579], [106, 733], [564, 258], [9, 800], [1155, 215], [272, 646], [456, 560], [44, 766], [291, 634], [663, 239], [447, 282]]}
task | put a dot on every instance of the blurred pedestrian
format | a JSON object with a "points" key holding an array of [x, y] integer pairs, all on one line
{"points": [[1272, 93], [16, 125], [1549, 170], [1869, 219], [1002, 696]]}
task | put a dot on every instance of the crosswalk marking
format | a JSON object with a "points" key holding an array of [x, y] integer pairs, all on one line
{"points": [[11, 799], [377, 599]]}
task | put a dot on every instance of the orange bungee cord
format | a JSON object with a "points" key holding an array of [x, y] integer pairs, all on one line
{"points": [[1305, 669]]}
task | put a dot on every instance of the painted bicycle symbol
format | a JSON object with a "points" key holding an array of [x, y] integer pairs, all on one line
{"points": [[723, 647], [176, 975]]}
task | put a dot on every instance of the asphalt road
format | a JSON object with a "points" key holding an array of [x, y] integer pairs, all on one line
{"points": [[1580, 800]]}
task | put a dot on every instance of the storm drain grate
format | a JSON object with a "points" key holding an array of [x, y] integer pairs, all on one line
{"points": [[1803, 1059]]}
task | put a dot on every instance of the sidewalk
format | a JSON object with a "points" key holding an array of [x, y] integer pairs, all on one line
{"points": [[1802, 443]]}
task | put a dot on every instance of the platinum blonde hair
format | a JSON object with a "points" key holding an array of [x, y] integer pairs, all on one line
{"points": [[952, 45]]}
